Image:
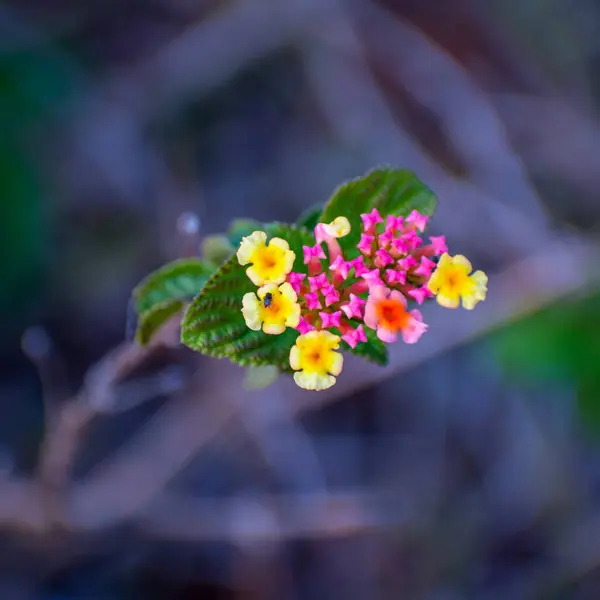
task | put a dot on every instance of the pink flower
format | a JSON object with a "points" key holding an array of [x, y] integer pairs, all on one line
{"points": [[316, 283], [372, 278], [312, 300], [329, 320], [383, 258], [330, 294], [386, 238], [394, 224], [353, 336], [304, 326], [401, 245], [395, 277], [359, 266], [418, 220], [295, 280], [340, 266], [412, 240], [366, 244], [370, 220], [313, 253], [386, 313], [407, 263], [426, 267], [419, 295], [354, 308], [439, 244]]}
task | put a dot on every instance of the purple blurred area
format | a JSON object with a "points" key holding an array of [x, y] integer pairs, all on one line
{"points": [[469, 469]]}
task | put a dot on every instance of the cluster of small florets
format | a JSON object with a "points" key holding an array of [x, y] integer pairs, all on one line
{"points": [[341, 296]]}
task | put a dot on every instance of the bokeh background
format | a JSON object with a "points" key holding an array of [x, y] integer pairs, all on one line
{"points": [[467, 469]]}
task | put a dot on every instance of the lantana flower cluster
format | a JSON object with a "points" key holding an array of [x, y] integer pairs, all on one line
{"points": [[372, 287]]}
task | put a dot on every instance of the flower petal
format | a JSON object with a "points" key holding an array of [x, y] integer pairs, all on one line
{"points": [[448, 300], [251, 311], [313, 381], [462, 261], [248, 246], [295, 358], [273, 328], [337, 363], [387, 335]]}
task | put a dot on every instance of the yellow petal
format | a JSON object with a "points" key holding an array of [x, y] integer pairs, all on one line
{"points": [[255, 276], [251, 311], [279, 243], [463, 262], [248, 246], [273, 328], [287, 291], [313, 381], [295, 358], [337, 362], [294, 316], [290, 258], [448, 300], [445, 259], [266, 289], [338, 228]]}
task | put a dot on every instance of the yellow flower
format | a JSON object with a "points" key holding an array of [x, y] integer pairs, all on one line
{"points": [[272, 308], [270, 262], [338, 227], [316, 359], [452, 281]]}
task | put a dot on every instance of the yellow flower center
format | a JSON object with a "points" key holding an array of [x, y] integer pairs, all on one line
{"points": [[272, 308]]}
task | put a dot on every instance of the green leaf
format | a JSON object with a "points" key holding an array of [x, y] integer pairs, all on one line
{"points": [[373, 349], [179, 280], [154, 318], [216, 249], [310, 217], [214, 325], [240, 228], [259, 378], [391, 191]]}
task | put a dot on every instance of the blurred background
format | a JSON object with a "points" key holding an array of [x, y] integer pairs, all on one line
{"points": [[467, 469]]}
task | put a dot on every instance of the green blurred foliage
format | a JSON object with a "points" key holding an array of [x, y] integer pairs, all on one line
{"points": [[33, 84], [559, 344]]}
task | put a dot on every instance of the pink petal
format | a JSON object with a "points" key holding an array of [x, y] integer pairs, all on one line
{"points": [[420, 294], [439, 244], [412, 333], [312, 300], [394, 224], [304, 326], [330, 319], [316, 283], [373, 278], [295, 280], [339, 265], [366, 244], [398, 297], [359, 266], [426, 267], [418, 220], [395, 277], [330, 294], [383, 258], [407, 263], [387, 335], [313, 253], [386, 238], [371, 219]]}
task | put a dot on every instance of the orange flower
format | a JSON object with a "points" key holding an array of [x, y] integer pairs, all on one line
{"points": [[386, 313]]}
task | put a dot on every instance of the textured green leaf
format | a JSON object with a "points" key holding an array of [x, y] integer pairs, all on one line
{"points": [[179, 280], [154, 318], [374, 349], [392, 191], [214, 325], [310, 217]]}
